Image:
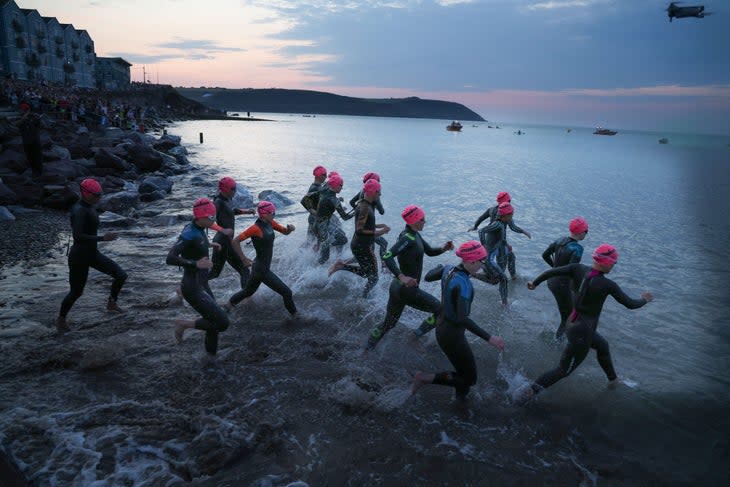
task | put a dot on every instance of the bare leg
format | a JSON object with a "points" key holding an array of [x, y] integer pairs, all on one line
{"points": [[61, 325], [338, 265], [420, 380], [612, 384], [111, 305], [180, 327]]}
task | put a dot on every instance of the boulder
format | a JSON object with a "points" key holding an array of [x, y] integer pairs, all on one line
{"points": [[12, 161], [155, 183], [137, 138], [58, 172], [110, 219], [168, 220], [80, 147], [279, 200], [153, 196], [5, 215], [145, 158], [243, 198], [29, 193], [59, 197], [7, 195], [8, 130], [120, 202], [201, 181], [104, 158], [163, 145], [179, 153], [55, 153], [175, 139]]}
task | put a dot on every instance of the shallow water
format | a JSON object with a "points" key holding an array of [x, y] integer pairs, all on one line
{"points": [[116, 402]]}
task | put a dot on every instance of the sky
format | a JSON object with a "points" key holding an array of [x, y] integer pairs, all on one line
{"points": [[613, 63]]}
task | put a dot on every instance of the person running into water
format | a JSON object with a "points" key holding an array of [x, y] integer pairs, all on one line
{"points": [[562, 252], [262, 235], [493, 215], [226, 218], [311, 200], [84, 253], [327, 234], [191, 253], [494, 239], [581, 332], [379, 241], [404, 289], [366, 231], [457, 295]]}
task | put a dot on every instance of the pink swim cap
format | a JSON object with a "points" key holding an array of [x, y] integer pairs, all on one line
{"points": [[334, 180], [227, 184], [319, 171], [578, 225], [413, 214], [371, 175], [471, 251], [266, 208], [503, 197], [505, 209], [371, 186], [91, 186], [605, 254], [203, 208]]}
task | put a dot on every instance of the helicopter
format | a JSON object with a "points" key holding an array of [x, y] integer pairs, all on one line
{"points": [[673, 11]]}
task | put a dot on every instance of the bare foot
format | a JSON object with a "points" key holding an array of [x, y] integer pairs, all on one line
{"points": [[524, 396], [612, 384], [111, 305], [209, 359], [61, 325], [180, 327], [338, 265], [420, 380]]}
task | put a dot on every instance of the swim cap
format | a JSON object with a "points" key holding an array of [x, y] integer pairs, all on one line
{"points": [[371, 175], [471, 251], [319, 171], [371, 186], [266, 208], [334, 180], [226, 184], [91, 186], [203, 208], [605, 254], [503, 196], [578, 225], [412, 214], [505, 209]]}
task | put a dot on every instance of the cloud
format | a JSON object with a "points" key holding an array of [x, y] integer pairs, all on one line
{"points": [[198, 45], [666, 90], [137, 58], [559, 4]]}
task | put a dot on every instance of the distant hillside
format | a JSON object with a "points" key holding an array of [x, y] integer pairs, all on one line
{"points": [[317, 102]]}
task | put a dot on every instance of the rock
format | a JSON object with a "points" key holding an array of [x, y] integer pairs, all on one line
{"points": [[179, 153], [55, 153], [29, 193], [59, 197], [13, 161], [120, 202], [163, 145], [7, 195], [110, 219], [279, 200], [201, 181], [168, 220], [104, 158], [146, 213], [137, 138], [82, 130], [155, 183], [175, 139], [243, 198], [145, 158], [153, 196], [58, 172], [5, 215]]}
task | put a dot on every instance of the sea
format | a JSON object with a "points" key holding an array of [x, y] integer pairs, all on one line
{"points": [[294, 402]]}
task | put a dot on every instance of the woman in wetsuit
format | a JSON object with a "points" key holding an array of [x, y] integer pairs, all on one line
{"points": [[311, 200], [262, 235], [84, 253], [379, 241], [562, 252], [329, 202], [191, 253], [225, 217], [366, 231], [581, 332], [404, 289], [457, 295]]}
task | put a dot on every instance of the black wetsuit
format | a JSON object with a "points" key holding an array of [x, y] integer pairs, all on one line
{"points": [[225, 216], [30, 131], [191, 246], [84, 254], [409, 250], [262, 235], [314, 190], [581, 332], [562, 252], [457, 295], [361, 246], [327, 234], [494, 239], [381, 242], [493, 215]]}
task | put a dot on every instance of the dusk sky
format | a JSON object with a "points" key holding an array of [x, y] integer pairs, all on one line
{"points": [[615, 63]]}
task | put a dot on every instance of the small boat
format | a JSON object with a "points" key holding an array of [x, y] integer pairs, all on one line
{"points": [[454, 126], [601, 131], [664, 140]]}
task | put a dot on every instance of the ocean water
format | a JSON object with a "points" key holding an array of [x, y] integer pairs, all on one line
{"points": [[297, 404]]}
